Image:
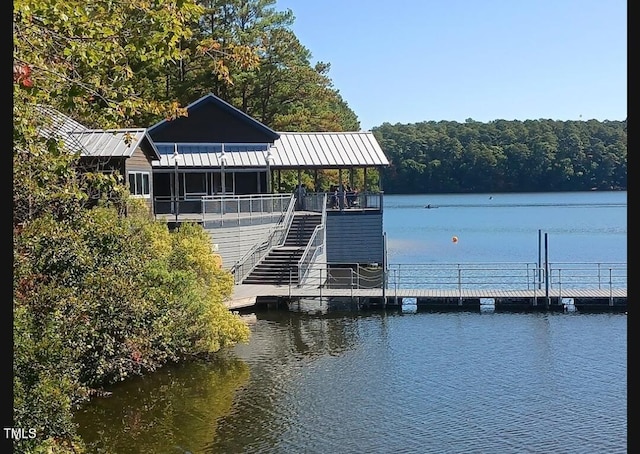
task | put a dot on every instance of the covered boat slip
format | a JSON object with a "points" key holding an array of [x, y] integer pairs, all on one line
{"points": [[217, 150]]}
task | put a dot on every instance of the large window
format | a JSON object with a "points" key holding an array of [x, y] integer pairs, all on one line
{"points": [[139, 184], [196, 183]]}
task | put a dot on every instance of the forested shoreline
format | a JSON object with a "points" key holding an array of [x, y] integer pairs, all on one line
{"points": [[504, 156]]}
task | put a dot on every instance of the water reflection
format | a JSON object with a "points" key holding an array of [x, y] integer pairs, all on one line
{"points": [[354, 382], [171, 411]]}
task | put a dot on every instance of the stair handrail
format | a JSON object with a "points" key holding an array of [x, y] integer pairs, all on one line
{"points": [[258, 251], [314, 246]]}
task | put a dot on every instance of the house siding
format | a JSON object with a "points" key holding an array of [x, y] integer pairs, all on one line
{"points": [[140, 162], [208, 123], [355, 237]]}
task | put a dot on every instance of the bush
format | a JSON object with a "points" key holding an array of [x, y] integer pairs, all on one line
{"points": [[102, 297]]}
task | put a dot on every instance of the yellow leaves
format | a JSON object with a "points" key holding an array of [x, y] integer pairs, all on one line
{"points": [[175, 111], [245, 56]]}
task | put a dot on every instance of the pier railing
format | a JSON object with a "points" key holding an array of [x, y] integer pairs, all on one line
{"points": [[473, 276], [315, 247], [276, 237], [589, 275], [508, 276]]}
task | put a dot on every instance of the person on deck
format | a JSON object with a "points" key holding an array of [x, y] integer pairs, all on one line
{"points": [[301, 192]]}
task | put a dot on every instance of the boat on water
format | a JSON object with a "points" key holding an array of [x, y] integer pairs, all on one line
{"points": [[431, 206]]}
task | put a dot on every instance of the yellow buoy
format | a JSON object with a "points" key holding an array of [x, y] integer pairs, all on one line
{"points": [[454, 239]]}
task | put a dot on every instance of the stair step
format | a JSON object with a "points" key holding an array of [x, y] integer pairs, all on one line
{"points": [[280, 266]]}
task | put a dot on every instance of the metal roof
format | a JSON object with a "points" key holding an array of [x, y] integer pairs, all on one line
{"points": [[57, 125], [291, 150], [328, 149], [114, 142]]}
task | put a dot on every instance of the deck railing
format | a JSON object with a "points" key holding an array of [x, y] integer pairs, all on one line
{"points": [[315, 246], [473, 276], [224, 210], [241, 210], [276, 237], [319, 201]]}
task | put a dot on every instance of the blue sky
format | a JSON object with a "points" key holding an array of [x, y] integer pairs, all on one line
{"points": [[407, 61]]}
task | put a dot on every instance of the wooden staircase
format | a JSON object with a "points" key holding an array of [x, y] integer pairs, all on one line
{"points": [[280, 265]]}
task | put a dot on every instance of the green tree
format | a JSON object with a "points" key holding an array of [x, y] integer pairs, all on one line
{"points": [[285, 91], [102, 297], [97, 296]]}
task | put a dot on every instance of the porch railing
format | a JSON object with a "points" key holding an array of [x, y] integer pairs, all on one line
{"points": [[277, 236], [315, 245], [242, 210]]}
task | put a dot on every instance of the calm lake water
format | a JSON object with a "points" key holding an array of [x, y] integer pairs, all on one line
{"points": [[407, 382]]}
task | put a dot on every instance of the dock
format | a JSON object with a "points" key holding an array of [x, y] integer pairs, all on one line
{"points": [[585, 300]]}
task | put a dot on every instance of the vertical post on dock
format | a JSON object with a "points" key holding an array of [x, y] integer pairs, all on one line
{"points": [[546, 270], [539, 258], [459, 286], [384, 270]]}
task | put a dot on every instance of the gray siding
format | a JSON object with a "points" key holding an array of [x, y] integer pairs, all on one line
{"points": [[354, 237], [141, 163], [234, 242]]}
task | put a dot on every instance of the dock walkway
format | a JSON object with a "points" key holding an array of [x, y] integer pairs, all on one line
{"points": [[248, 295]]}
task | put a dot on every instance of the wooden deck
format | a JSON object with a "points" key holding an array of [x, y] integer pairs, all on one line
{"points": [[247, 295]]}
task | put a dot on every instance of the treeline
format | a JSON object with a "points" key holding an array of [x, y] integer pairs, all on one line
{"points": [[504, 156]]}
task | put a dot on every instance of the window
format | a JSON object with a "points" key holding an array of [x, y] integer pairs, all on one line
{"points": [[196, 183], [139, 184]]}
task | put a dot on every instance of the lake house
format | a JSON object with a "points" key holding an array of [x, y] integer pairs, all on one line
{"points": [[221, 168]]}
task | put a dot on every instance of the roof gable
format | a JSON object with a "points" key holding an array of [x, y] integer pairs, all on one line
{"points": [[212, 120]]}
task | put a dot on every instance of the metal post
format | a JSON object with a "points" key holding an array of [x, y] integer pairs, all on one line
{"points": [[539, 258], [223, 181], [364, 181], [340, 190], [176, 185], [459, 286], [546, 270], [395, 279], [351, 285], [268, 177], [223, 161], [268, 158], [610, 284]]}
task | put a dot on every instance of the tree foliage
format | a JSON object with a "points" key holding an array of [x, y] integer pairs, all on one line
{"points": [[504, 156], [102, 297], [99, 296], [285, 91]]}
